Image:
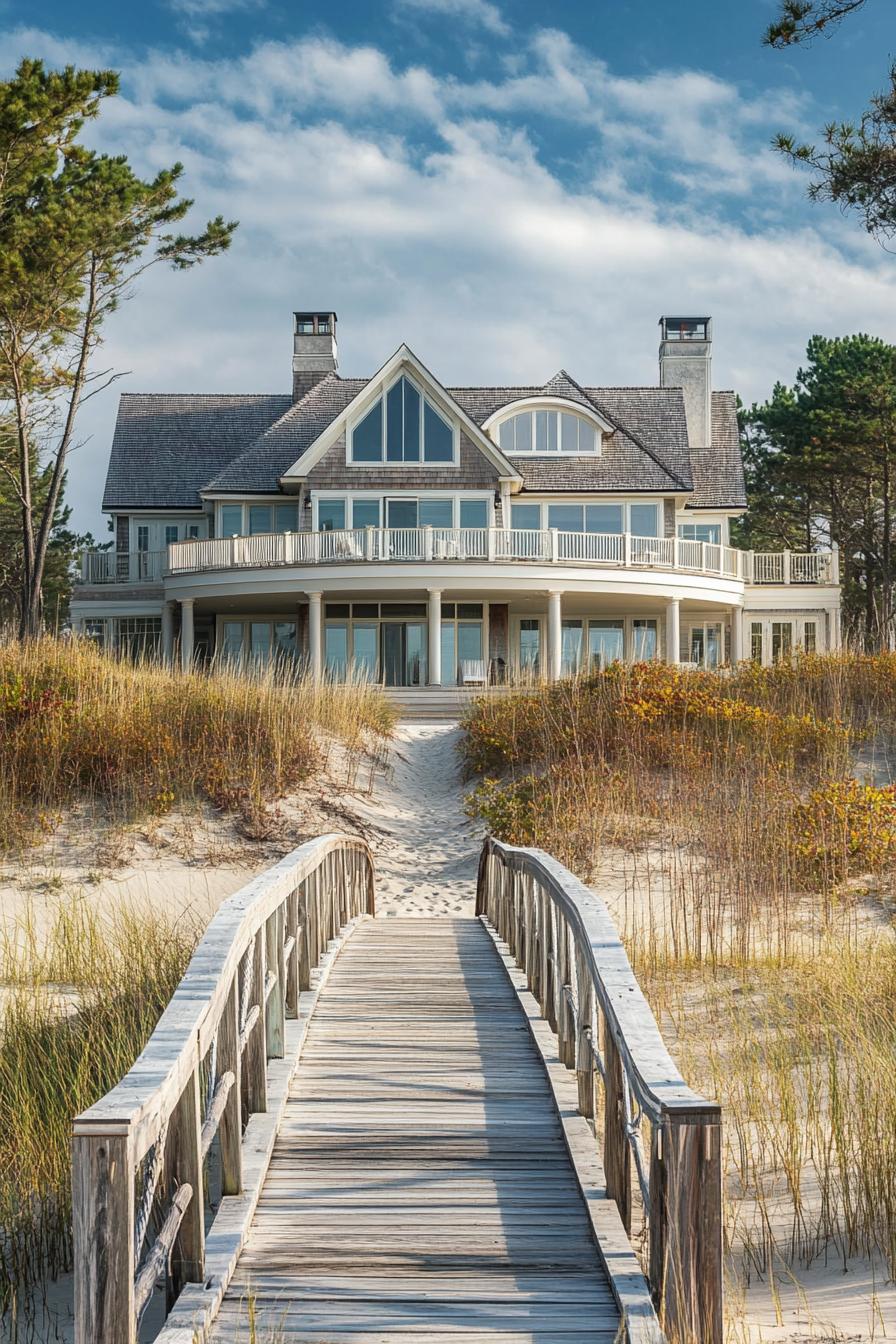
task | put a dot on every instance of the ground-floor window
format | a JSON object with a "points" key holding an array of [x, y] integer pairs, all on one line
{"points": [[706, 645], [606, 643], [138, 637], [95, 631], [644, 640], [775, 638], [258, 642], [585, 643]]}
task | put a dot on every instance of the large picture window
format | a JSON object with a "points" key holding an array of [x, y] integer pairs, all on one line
{"points": [[402, 426]]}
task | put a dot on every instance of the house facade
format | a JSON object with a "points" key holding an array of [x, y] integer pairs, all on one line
{"points": [[420, 534]]}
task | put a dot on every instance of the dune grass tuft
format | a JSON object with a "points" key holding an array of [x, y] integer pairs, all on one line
{"points": [[78, 727]]}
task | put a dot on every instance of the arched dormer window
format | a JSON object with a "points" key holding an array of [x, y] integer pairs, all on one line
{"points": [[541, 426], [402, 426]]}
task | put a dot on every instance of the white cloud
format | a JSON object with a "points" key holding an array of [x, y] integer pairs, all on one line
{"points": [[422, 209], [479, 12]]}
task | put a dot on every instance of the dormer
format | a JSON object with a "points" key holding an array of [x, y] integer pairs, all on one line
{"points": [[548, 427]]}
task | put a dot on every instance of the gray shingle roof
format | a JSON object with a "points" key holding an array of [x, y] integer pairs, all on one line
{"points": [[719, 470], [260, 467], [167, 447]]}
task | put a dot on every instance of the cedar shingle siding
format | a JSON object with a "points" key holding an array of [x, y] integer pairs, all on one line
{"points": [[168, 449], [472, 470]]}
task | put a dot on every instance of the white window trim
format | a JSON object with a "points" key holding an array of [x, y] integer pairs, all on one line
{"points": [[160, 521], [561, 407], [361, 414]]}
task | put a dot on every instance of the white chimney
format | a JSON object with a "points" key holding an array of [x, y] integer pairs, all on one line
{"points": [[686, 362]]}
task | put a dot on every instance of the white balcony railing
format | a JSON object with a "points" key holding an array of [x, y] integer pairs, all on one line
{"points": [[427, 544], [122, 566]]}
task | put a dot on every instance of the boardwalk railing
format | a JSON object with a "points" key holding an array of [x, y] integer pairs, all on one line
{"points": [[562, 936], [141, 1155]]}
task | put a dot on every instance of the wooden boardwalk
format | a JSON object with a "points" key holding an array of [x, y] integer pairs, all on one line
{"points": [[420, 1186]]}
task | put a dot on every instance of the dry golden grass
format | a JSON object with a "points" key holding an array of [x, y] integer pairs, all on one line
{"points": [[760, 928], [80, 727]]}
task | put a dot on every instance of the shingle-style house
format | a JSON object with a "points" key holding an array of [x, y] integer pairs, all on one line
{"points": [[437, 535]]}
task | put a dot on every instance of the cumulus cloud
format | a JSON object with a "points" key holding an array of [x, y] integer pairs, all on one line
{"points": [[424, 208]]}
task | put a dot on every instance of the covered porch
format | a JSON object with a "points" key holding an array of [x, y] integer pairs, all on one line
{"points": [[449, 637]]}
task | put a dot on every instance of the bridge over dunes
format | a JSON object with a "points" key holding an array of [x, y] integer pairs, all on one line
{"points": [[348, 1130]]}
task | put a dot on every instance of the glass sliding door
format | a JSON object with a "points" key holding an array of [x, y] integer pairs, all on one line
{"points": [[415, 655], [449, 653]]}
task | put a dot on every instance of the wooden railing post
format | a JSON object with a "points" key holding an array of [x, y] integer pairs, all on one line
{"points": [[183, 1166], [103, 1231], [292, 961], [275, 1001], [584, 1052], [566, 1031], [304, 939], [692, 1281], [255, 1083], [230, 1130], [617, 1153]]}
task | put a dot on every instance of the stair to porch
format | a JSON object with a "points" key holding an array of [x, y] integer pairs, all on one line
{"points": [[434, 703]]}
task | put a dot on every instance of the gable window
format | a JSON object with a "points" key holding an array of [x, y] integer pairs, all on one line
{"points": [[402, 426], [548, 431]]}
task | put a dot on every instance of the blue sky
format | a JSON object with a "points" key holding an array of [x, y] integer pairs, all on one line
{"points": [[509, 187]]}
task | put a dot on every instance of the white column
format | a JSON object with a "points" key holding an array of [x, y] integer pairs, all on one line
{"points": [[834, 635], [167, 633], [555, 638], [673, 630], [737, 636], [435, 637], [186, 633], [315, 635]]}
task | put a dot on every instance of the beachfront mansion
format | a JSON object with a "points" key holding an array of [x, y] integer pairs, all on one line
{"points": [[432, 535]]}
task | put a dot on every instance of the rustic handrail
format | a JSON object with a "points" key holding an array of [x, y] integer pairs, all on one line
{"points": [[139, 1155], [564, 939]]}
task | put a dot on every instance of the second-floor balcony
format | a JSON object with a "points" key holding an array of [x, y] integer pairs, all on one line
{"points": [[427, 545]]}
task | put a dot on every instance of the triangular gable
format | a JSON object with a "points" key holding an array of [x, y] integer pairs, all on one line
{"points": [[404, 359]]}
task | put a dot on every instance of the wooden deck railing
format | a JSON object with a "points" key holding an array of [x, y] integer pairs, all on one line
{"points": [[562, 936], [140, 1156]]}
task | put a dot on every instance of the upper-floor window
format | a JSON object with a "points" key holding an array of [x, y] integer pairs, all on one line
{"points": [[240, 520], [402, 426], [641, 520], [546, 430], [709, 532]]}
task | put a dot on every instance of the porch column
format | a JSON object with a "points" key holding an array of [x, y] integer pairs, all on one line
{"points": [[167, 633], [186, 633], [834, 636], [555, 638], [435, 637], [315, 635], [673, 630], [737, 636]]}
